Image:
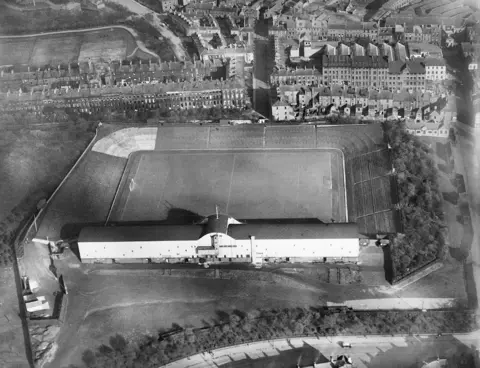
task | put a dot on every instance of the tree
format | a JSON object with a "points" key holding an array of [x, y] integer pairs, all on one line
{"points": [[89, 358], [118, 342]]}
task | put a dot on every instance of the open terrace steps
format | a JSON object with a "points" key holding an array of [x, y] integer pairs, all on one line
{"points": [[463, 12], [443, 8], [352, 140], [123, 142], [428, 7], [85, 197]]}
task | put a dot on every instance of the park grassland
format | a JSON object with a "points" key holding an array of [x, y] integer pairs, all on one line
{"points": [[238, 328], [15, 22], [60, 49], [32, 164]]}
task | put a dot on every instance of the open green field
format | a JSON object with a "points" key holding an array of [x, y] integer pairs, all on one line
{"points": [[244, 184], [56, 50], [102, 45], [16, 51]]}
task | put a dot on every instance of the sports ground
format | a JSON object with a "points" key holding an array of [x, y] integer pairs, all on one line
{"points": [[242, 183], [276, 160]]}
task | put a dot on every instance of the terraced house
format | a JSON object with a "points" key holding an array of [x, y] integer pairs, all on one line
{"points": [[358, 101], [359, 71], [184, 95], [85, 75], [306, 76]]}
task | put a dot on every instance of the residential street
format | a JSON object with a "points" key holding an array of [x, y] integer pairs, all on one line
{"points": [[470, 151], [262, 69], [370, 351]]}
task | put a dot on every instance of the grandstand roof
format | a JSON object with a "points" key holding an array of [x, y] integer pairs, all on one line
{"points": [[140, 233], [216, 225], [272, 230], [268, 229]]}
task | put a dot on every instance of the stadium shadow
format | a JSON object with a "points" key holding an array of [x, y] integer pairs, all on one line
{"points": [[283, 221]]}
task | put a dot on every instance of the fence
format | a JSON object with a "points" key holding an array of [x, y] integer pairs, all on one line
{"points": [[37, 218], [418, 274], [425, 267]]}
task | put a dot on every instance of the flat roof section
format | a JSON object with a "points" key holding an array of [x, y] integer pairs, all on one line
{"points": [[140, 233], [267, 230]]}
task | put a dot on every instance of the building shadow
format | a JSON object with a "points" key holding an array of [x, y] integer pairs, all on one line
{"points": [[470, 285], [420, 350], [304, 356], [388, 264]]}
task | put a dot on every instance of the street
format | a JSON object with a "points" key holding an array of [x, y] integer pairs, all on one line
{"points": [[262, 69], [366, 351]]}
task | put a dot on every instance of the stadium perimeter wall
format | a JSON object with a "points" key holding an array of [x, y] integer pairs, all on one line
{"points": [[29, 233]]}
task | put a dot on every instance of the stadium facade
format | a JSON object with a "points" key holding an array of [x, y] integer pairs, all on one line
{"points": [[219, 238]]}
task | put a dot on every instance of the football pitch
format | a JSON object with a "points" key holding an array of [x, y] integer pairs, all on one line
{"points": [[246, 184]]}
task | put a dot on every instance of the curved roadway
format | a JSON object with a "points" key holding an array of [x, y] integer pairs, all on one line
{"points": [[365, 349]]}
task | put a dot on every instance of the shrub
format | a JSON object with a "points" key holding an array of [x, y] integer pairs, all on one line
{"points": [[274, 324]]}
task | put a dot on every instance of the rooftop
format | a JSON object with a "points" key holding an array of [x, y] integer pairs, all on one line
{"points": [[140, 233], [271, 230]]}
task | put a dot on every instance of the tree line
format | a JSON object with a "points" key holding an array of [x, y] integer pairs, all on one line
{"points": [[419, 202], [239, 327]]}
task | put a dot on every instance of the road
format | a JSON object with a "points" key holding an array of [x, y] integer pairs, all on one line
{"points": [[155, 21], [262, 69], [469, 151], [366, 351], [134, 7]]}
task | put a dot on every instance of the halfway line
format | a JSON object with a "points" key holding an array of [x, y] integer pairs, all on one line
{"points": [[231, 181]]}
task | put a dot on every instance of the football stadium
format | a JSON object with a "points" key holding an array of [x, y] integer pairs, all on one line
{"points": [[301, 194]]}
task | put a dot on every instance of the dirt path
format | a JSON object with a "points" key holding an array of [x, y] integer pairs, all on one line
{"points": [[139, 9], [178, 48]]}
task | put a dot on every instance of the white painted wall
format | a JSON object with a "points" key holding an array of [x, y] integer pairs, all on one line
{"points": [[145, 249], [229, 248], [334, 248]]}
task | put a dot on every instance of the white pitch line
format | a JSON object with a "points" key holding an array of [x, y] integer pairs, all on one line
{"points": [[231, 181], [298, 185], [129, 192]]}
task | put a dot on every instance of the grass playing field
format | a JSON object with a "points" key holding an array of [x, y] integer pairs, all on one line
{"points": [[16, 51], [106, 44], [244, 184], [54, 51]]}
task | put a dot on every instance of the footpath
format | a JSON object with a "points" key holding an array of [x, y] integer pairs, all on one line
{"points": [[364, 349], [466, 155]]}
